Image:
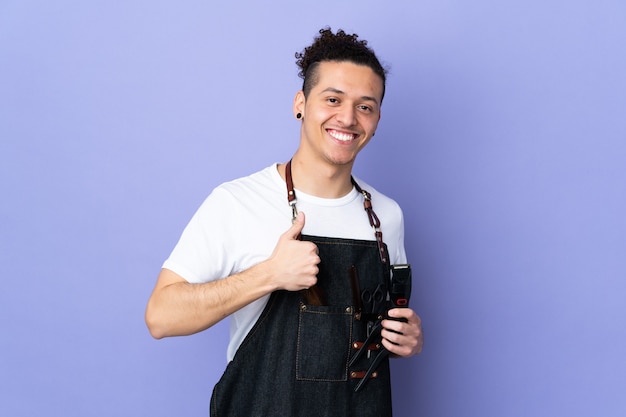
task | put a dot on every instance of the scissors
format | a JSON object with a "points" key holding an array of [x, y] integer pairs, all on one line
{"points": [[372, 301], [371, 304]]}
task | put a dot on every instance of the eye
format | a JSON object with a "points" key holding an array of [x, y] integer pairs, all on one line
{"points": [[332, 100], [365, 108]]}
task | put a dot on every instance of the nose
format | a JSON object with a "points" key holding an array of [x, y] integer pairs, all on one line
{"points": [[346, 116]]}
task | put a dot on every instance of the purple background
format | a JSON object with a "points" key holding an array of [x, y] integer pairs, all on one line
{"points": [[503, 136]]}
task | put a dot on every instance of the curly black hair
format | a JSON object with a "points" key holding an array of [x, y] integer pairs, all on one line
{"points": [[340, 47]]}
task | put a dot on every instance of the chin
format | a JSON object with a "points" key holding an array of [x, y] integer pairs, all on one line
{"points": [[341, 160]]}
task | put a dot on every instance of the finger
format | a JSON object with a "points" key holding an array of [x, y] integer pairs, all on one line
{"points": [[394, 326], [296, 228], [402, 344], [404, 313], [397, 349], [406, 322], [393, 336]]}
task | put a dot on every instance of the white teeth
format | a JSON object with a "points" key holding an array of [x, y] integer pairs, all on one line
{"points": [[344, 137]]}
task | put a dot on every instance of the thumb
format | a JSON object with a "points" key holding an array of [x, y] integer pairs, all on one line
{"points": [[297, 226]]}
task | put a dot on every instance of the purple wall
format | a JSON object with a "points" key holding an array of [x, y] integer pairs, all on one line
{"points": [[503, 136]]}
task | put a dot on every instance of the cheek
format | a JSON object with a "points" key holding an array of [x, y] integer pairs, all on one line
{"points": [[370, 124]]}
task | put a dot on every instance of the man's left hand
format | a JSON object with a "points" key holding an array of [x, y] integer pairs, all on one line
{"points": [[403, 338]]}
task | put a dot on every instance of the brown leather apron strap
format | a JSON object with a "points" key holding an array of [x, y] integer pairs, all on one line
{"points": [[367, 205], [291, 193], [370, 347], [374, 221], [361, 374]]}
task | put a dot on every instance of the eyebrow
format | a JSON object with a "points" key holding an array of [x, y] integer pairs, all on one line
{"points": [[337, 91]]}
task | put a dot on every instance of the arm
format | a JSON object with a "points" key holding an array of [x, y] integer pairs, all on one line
{"points": [[177, 307]]}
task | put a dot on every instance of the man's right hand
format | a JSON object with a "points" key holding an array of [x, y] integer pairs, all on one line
{"points": [[294, 263]]}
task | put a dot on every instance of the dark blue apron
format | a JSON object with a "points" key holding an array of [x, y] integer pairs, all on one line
{"points": [[295, 360]]}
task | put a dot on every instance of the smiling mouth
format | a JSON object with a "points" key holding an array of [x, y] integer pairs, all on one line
{"points": [[341, 136]]}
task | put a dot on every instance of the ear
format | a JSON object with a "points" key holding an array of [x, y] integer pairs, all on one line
{"points": [[299, 103]]}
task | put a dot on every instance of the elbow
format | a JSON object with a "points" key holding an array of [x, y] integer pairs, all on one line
{"points": [[155, 331], [155, 326]]}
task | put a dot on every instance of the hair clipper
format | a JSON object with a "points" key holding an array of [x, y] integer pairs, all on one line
{"points": [[400, 286]]}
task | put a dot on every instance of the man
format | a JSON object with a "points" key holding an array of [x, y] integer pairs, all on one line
{"points": [[295, 255]]}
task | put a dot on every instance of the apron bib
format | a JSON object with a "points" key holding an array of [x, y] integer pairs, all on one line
{"points": [[295, 361]]}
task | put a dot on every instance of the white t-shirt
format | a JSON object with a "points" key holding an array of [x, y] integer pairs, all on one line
{"points": [[239, 224]]}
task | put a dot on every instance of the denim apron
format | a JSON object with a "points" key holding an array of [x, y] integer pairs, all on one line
{"points": [[295, 360]]}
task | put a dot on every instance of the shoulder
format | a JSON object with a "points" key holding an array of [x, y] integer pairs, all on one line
{"points": [[267, 178], [391, 218], [261, 185], [256, 202], [381, 202]]}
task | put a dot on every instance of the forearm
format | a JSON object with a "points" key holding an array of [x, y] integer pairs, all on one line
{"points": [[178, 308]]}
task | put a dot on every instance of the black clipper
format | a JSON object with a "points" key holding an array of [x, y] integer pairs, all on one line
{"points": [[400, 286]]}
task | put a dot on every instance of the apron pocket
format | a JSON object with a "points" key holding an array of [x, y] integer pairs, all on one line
{"points": [[324, 335]]}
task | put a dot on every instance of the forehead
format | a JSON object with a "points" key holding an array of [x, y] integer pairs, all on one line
{"points": [[350, 78]]}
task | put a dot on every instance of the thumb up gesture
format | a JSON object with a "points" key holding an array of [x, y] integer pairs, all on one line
{"points": [[294, 262]]}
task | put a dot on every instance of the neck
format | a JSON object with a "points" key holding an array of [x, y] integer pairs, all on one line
{"points": [[327, 181]]}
